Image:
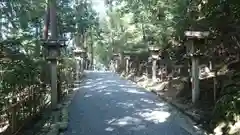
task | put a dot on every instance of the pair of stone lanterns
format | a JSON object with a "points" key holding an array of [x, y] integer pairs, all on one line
{"points": [[192, 40], [79, 54], [53, 53]]}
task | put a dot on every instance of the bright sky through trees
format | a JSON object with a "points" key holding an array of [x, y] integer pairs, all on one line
{"points": [[99, 6]]}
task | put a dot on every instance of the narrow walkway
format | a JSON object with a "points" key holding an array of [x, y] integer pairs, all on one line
{"points": [[107, 105]]}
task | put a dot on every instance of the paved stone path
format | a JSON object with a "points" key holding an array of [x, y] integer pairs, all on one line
{"points": [[107, 105]]}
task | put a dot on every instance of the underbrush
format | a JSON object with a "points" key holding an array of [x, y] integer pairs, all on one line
{"points": [[227, 109]]}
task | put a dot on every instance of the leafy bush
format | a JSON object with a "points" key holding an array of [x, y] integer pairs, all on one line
{"points": [[227, 108]]}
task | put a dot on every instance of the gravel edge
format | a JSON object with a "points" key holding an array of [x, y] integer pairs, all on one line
{"points": [[62, 114]]}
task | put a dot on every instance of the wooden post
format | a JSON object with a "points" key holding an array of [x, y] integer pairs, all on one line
{"points": [[92, 51], [54, 93], [127, 64], [146, 70], [13, 116], [193, 36], [53, 65], [169, 82], [195, 80], [215, 86], [116, 62], [194, 72], [78, 69], [154, 69], [210, 65], [81, 65], [162, 73], [116, 65], [34, 99], [31, 100]]}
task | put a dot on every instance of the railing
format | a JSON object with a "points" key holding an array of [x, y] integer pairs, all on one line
{"points": [[20, 107]]}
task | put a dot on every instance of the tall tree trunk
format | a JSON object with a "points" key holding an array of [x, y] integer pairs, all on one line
{"points": [[46, 22], [154, 68], [53, 19], [37, 46], [44, 77], [121, 61], [215, 83], [91, 47], [85, 40], [54, 77], [1, 27]]}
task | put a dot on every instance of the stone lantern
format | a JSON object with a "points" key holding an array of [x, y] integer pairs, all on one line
{"points": [[116, 61], [127, 58], [53, 48], [155, 55], [53, 52], [192, 40], [79, 56]]}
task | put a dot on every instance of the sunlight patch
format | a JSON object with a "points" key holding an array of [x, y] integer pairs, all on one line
{"points": [[160, 104], [109, 129], [88, 86], [88, 82], [122, 85], [147, 101], [125, 105], [111, 81], [102, 87], [127, 121], [87, 95], [111, 121], [155, 116], [108, 93], [74, 89], [135, 91], [139, 127], [99, 79]]}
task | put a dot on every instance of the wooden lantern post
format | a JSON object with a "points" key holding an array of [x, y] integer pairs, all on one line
{"points": [[193, 38], [155, 53], [53, 48]]}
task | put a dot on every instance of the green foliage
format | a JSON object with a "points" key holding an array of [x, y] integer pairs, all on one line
{"points": [[19, 71], [163, 22], [228, 106], [133, 25]]}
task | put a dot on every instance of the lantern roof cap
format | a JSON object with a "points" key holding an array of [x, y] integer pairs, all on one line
{"points": [[197, 34], [154, 48], [127, 57], [115, 54], [127, 53], [52, 43], [78, 50]]}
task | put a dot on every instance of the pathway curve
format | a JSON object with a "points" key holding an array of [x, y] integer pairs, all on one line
{"points": [[107, 105]]}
